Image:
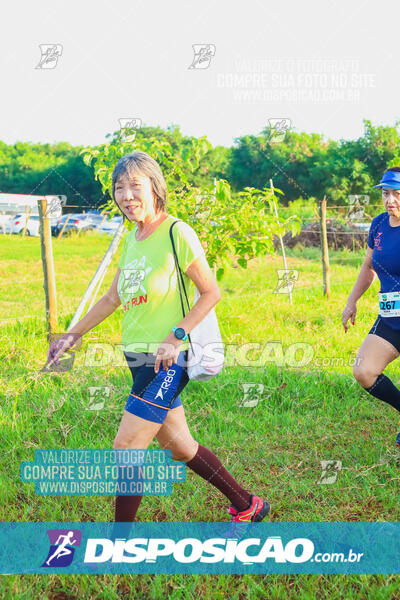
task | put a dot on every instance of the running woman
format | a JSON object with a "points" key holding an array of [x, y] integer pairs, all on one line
{"points": [[146, 285], [382, 344]]}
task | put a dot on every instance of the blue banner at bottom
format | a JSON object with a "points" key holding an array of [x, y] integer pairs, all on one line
{"points": [[209, 548]]}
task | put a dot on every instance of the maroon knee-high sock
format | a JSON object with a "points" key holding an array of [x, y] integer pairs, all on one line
{"points": [[125, 512], [208, 466], [126, 508]]}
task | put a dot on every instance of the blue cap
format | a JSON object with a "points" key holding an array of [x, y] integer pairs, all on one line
{"points": [[390, 180]]}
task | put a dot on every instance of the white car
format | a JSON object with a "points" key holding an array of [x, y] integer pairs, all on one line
{"points": [[111, 226], [364, 226], [17, 224]]}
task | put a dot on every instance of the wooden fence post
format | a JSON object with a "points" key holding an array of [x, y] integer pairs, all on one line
{"points": [[28, 211], [49, 282], [63, 227], [282, 246], [324, 248]]}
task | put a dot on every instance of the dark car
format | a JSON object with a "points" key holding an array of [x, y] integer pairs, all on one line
{"points": [[75, 222]]}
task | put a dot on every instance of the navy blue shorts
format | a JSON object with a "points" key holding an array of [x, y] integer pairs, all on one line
{"points": [[386, 332], [154, 394]]}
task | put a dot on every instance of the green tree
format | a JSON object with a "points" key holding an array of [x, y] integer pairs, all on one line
{"points": [[232, 228]]}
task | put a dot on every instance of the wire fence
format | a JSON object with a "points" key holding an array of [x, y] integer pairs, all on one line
{"points": [[337, 228]]}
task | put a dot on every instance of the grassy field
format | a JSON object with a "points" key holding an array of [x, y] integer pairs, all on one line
{"points": [[305, 414]]}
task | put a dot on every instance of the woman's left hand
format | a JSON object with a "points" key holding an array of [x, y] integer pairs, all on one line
{"points": [[167, 352]]}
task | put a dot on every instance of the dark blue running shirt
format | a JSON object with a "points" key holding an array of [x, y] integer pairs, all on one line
{"points": [[385, 242]]}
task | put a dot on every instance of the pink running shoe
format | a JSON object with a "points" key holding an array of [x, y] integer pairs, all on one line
{"points": [[257, 510]]}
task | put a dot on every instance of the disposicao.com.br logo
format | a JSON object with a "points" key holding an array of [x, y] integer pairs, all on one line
{"points": [[186, 547], [212, 550]]}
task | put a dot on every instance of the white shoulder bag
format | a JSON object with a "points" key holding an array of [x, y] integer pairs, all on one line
{"points": [[206, 352]]}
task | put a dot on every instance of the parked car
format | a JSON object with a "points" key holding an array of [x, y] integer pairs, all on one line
{"points": [[16, 225], [111, 226], [76, 222], [56, 227], [96, 219], [364, 226], [4, 219]]}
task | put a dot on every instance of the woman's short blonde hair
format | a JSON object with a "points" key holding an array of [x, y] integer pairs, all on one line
{"points": [[142, 163]]}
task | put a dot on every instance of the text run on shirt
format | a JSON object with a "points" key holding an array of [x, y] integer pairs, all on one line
{"points": [[148, 285]]}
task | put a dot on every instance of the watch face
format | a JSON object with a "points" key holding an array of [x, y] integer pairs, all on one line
{"points": [[179, 333]]}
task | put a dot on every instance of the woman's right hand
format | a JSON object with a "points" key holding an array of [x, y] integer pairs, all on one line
{"points": [[61, 345], [349, 312]]}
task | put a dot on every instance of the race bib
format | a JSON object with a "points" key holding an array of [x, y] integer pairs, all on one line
{"points": [[389, 304]]}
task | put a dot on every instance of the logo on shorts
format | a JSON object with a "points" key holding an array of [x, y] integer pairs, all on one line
{"points": [[166, 383], [62, 547]]}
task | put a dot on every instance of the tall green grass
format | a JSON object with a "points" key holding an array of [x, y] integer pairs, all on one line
{"points": [[305, 414]]}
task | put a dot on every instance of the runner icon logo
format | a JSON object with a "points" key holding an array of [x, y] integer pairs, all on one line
{"points": [[62, 547]]}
